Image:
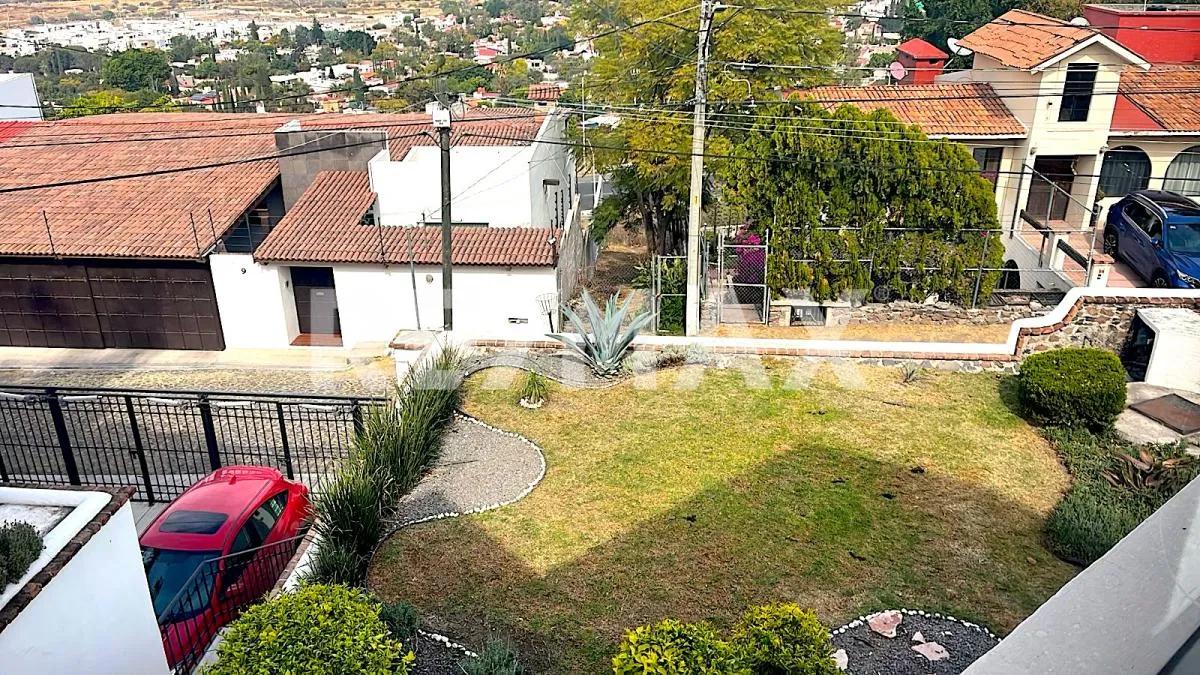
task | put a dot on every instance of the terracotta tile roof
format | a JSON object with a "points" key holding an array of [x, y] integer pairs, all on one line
{"points": [[153, 216], [544, 91], [325, 226], [940, 109], [1167, 111], [920, 49], [14, 128], [1013, 41]]}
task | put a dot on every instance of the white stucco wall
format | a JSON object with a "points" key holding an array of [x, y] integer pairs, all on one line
{"points": [[94, 616], [258, 310], [376, 302]]}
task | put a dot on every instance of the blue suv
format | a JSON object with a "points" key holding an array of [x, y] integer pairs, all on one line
{"points": [[1158, 234]]}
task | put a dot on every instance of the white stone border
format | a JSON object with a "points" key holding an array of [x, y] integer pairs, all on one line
{"points": [[913, 612]]}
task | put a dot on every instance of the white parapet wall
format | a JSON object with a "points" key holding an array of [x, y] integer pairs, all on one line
{"points": [[1175, 358], [85, 610]]}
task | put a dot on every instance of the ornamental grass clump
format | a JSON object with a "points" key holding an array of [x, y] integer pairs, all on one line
{"points": [[604, 346], [397, 444], [534, 388]]}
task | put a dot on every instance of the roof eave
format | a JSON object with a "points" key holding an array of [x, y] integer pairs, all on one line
{"points": [[1155, 132], [1101, 39]]}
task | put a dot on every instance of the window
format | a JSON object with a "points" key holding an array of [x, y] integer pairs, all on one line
{"points": [[167, 571], [1077, 92], [193, 522], [1145, 220], [1183, 175], [988, 160], [1125, 170]]}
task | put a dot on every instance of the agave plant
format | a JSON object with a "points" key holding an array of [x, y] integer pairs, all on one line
{"points": [[1150, 471], [605, 345]]}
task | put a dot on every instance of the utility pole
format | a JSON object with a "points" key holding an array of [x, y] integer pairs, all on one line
{"points": [[692, 316], [441, 122]]}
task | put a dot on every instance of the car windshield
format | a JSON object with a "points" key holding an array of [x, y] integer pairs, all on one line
{"points": [[1183, 235], [167, 571]]}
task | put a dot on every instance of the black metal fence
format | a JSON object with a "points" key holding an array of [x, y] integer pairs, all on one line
{"points": [[217, 593], [163, 441]]}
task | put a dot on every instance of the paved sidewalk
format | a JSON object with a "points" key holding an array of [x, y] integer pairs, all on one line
{"points": [[298, 358]]}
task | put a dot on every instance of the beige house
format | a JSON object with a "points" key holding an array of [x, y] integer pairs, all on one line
{"points": [[1064, 119]]}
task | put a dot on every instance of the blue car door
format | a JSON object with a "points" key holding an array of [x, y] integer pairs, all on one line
{"points": [[1136, 244]]}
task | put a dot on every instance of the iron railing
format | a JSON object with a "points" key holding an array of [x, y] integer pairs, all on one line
{"points": [[218, 592], [161, 442]]}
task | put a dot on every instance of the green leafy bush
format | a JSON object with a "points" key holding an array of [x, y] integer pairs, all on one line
{"points": [[401, 619], [672, 647], [784, 639], [328, 630], [20, 545], [1073, 387], [397, 444], [1108, 498], [497, 658]]}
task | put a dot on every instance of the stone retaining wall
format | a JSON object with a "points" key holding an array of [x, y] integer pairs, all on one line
{"points": [[1099, 321], [916, 313]]}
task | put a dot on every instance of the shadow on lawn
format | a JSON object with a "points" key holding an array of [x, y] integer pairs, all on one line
{"points": [[838, 533]]}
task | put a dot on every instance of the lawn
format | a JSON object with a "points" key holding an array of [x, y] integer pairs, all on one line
{"points": [[691, 494]]}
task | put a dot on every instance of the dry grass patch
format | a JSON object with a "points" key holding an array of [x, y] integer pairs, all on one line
{"points": [[700, 496]]}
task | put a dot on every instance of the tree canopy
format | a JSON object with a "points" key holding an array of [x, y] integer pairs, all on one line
{"points": [[654, 65], [136, 69], [872, 203]]}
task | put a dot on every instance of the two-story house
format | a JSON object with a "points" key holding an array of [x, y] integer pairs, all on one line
{"points": [[1065, 118]]}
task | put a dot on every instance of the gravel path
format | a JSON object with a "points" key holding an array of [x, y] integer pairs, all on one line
{"points": [[480, 468], [434, 658], [873, 654]]}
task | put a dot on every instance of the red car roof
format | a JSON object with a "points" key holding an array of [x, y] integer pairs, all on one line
{"points": [[231, 490]]}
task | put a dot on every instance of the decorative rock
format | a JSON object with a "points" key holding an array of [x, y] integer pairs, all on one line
{"points": [[885, 623], [841, 659], [917, 637], [932, 651]]}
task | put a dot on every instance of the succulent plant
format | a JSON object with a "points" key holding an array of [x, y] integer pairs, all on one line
{"points": [[604, 347]]}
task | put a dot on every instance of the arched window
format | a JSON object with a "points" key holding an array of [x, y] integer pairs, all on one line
{"points": [[1183, 175], [1125, 169]]}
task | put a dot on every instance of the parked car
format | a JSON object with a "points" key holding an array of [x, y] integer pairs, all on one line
{"points": [[217, 548], [1158, 234]]}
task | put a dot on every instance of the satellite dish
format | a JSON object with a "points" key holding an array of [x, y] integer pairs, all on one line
{"points": [[956, 47], [897, 70], [1079, 21]]}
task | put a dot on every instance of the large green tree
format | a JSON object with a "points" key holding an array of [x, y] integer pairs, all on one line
{"points": [[866, 202], [653, 65], [136, 69]]}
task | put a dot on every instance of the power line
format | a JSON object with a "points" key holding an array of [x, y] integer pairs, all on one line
{"points": [[195, 167]]}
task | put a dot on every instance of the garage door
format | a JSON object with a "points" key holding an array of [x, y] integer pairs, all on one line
{"points": [[105, 304]]}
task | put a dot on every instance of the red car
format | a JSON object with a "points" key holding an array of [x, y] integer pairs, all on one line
{"points": [[217, 548]]}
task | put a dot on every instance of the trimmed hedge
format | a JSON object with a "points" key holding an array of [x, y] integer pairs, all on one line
{"points": [[768, 640], [322, 630], [20, 545], [1073, 387], [784, 639]]}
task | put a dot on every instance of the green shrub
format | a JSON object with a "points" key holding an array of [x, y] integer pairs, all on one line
{"points": [[672, 647], [20, 545], [1108, 497], [350, 510], [335, 562], [328, 630], [401, 619], [534, 388], [783, 639], [497, 658], [1090, 520], [1073, 387]]}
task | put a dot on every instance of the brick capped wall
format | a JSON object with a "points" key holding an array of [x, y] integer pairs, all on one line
{"points": [[1102, 322]]}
